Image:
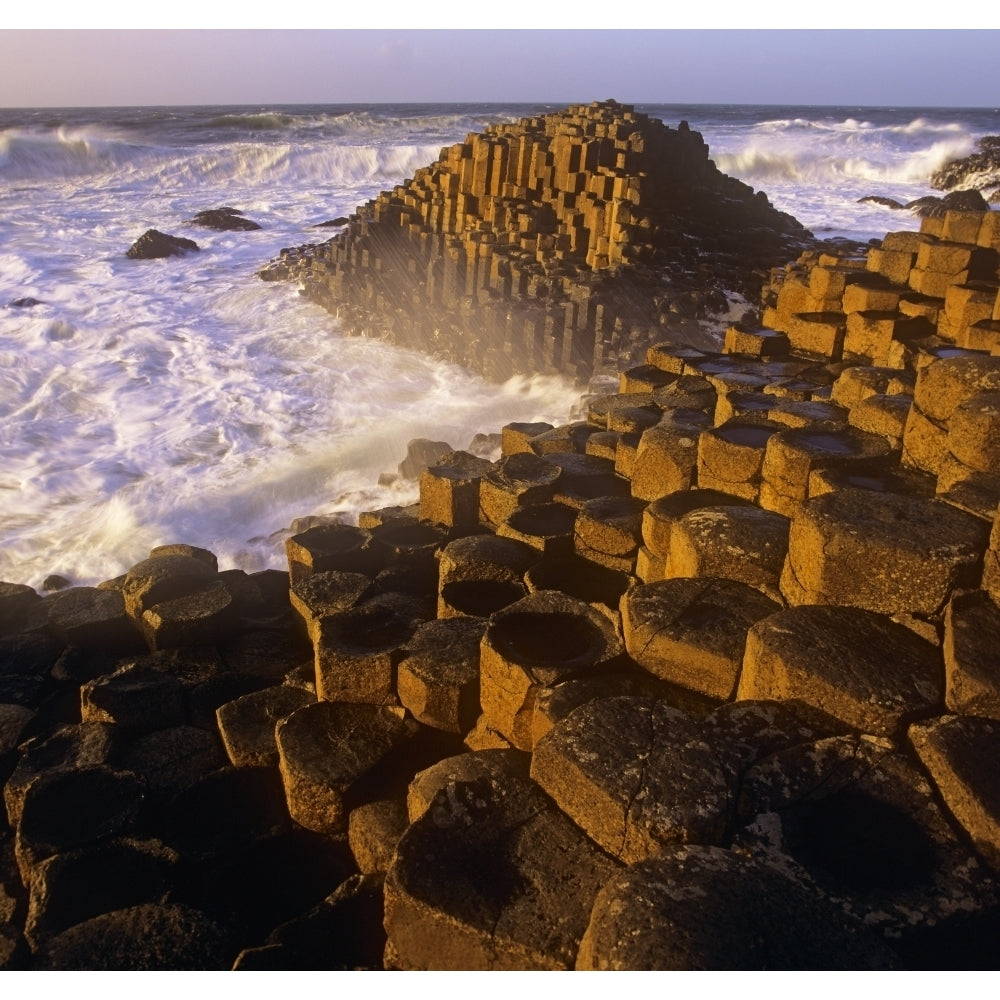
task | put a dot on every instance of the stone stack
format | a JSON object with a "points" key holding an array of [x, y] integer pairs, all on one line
{"points": [[558, 243], [706, 678]]}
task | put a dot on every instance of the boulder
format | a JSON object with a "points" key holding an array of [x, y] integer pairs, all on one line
{"points": [[153, 244], [223, 219]]}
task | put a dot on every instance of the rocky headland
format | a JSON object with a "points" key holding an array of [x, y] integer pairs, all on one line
{"points": [[706, 677]]}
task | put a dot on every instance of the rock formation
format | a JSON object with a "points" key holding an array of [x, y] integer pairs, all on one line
{"points": [[559, 243], [705, 678], [153, 245], [980, 171]]}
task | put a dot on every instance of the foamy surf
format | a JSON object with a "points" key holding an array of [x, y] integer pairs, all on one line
{"points": [[145, 402]]}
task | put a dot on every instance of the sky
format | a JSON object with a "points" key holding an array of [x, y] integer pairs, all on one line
{"points": [[103, 54]]}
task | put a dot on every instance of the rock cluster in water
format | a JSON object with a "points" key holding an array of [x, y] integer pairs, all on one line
{"points": [[560, 243], [979, 171]]}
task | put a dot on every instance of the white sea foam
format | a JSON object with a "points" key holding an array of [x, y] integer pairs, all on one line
{"points": [[145, 402]]}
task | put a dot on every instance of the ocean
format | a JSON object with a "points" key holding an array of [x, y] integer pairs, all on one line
{"points": [[146, 402]]}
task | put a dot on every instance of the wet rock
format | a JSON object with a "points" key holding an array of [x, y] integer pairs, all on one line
{"points": [[247, 725], [153, 244], [223, 219], [420, 454]]}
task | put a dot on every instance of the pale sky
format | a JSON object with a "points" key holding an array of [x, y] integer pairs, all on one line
{"points": [[191, 60]]}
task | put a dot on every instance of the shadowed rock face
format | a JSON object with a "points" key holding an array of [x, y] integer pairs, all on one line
{"points": [[554, 243]]}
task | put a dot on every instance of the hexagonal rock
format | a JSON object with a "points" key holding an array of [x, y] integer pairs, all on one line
{"points": [[357, 650], [974, 432], [962, 756], [745, 544], [532, 644], [325, 749], [75, 885], [730, 457], [464, 767], [516, 437], [92, 619], [883, 415], [332, 546], [667, 457], [449, 490], [164, 578], [608, 531], [971, 640], [247, 724], [438, 677], [578, 578], [585, 477], [856, 819], [547, 527], [513, 482], [325, 593], [171, 760], [493, 876], [408, 540], [792, 455], [851, 666], [150, 937], [69, 747], [915, 552], [636, 774], [707, 908], [373, 830], [134, 696], [63, 809], [481, 574], [946, 383], [693, 632], [208, 615], [659, 517]]}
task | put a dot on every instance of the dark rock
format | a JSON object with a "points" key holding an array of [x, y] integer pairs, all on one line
{"points": [[153, 244], [978, 171], [24, 303], [55, 582], [961, 201], [154, 938], [223, 219], [707, 908], [341, 220], [876, 199], [420, 454]]}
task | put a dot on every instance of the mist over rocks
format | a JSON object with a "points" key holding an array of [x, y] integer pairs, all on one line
{"points": [[560, 243]]}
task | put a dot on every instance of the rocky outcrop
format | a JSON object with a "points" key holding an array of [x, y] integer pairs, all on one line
{"points": [[153, 245], [979, 171], [224, 219], [705, 678], [561, 243]]}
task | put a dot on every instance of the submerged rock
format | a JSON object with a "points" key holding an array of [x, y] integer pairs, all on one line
{"points": [[224, 219]]}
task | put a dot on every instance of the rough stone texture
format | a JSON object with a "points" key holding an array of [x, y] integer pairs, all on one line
{"points": [[247, 724], [854, 667], [547, 527], [492, 876], [438, 677], [731, 455], [325, 749], [153, 245], [745, 544], [693, 632], [853, 817], [172, 760], [914, 553], [481, 574], [134, 696], [554, 230], [326, 593], [636, 775], [667, 457], [515, 481], [449, 490], [532, 644], [373, 830], [466, 767], [962, 756], [660, 516], [707, 908], [147, 938], [972, 670], [331, 546], [92, 619]]}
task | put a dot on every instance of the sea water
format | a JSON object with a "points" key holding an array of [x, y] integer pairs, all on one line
{"points": [[146, 402]]}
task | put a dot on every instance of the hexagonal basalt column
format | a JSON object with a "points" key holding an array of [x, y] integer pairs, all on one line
{"points": [[547, 527], [532, 644], [514, 482], [912, 553], [332, 546], [481, 574]]}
